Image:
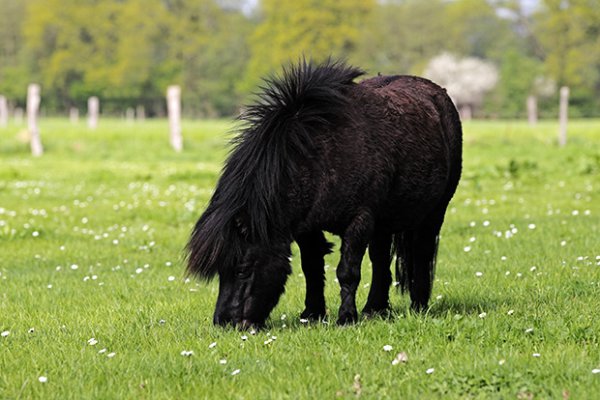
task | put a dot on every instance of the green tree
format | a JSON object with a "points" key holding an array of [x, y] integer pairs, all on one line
{"points": [[209, 46], [13, 76], [402, 36], [569, 36], [70, 46], [474, 28], [129, 51], [518, 74], [314, 29]]}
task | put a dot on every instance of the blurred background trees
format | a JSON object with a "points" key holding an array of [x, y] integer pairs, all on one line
{"points": [[128, 51]]}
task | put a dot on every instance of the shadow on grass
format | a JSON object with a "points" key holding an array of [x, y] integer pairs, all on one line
{"points": [[439, 308], [465, 305]]}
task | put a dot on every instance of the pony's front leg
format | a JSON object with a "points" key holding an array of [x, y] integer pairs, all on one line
{"points": [[313, 247], [354, 244]]}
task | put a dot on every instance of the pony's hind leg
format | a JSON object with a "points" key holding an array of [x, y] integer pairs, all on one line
{"points": [[354, 243], [379, 253], [423, 247], [313, 247]]}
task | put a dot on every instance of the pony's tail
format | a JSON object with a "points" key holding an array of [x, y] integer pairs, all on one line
{"points": [[415, 265], [206, 252], [402, 253]]}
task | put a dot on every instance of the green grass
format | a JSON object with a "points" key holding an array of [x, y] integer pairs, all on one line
{"points": [[118, 204]]}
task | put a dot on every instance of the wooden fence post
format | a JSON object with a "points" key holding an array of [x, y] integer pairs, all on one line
{"points": [[3, 112], [130, 115], [532, 112], [563, 115], [33, 106], [174, 110], [74, 115], [93, 111], [466, 112], [140, 113]]}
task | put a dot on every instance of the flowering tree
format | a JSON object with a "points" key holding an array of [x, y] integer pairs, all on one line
{"points": [[466, 80]]}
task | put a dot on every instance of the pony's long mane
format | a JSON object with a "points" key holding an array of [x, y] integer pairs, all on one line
{"points": [[276, 134]]}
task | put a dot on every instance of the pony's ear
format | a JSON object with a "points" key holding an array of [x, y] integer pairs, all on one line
{"points": [[241, 225]]}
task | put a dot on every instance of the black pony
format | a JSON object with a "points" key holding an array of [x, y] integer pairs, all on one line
{"points": [[375, 162]]}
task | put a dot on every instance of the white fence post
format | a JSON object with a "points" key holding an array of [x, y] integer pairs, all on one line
{"points": [[33, 106], [130, 115], [93, 111], [74, 115], [3, 112], [532, 113], [563, 115], [140, 112], [466, 112], [174, 110]]}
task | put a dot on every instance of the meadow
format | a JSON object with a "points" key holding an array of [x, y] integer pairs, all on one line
{"points": [[94, 302]]}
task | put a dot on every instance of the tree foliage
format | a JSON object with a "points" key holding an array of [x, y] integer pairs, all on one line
{"points": [[12, 80], [289, 30], [128, 51]]}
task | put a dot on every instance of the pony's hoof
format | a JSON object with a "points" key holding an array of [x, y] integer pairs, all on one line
{"points": [[419, 307], [247, 325], [372, 312], [347, 319], [313, 315]]}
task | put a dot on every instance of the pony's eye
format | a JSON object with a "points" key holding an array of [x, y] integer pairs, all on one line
{"points": [[244, 271]]}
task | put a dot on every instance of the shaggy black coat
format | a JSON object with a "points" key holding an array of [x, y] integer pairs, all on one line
{"points": [[375, 162]]}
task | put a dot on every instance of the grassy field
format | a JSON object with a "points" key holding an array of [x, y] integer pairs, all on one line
{"points": [[94, 302]]}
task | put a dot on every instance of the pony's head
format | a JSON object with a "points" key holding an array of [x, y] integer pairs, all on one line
{"points": [[252, 275]]}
